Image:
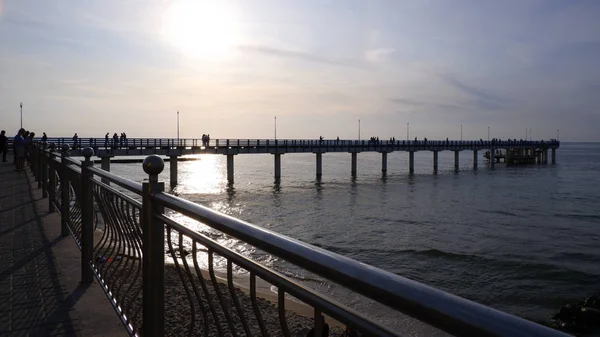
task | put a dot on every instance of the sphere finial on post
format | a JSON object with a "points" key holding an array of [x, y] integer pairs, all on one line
{"points": [[153, 165], [88, 152], [52, 146], [65, 148]]}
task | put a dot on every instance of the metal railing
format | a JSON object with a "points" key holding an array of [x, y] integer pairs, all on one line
{"points": [[161, 275], [405, 145]]}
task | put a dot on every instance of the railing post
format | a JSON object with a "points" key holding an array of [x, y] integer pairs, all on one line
{"points": [[65, 189], [87, 217], [44, 168], [32, 162], [39, 165], [51, 179], [153, 259]]}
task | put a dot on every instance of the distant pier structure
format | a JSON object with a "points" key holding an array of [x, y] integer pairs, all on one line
{"points": [[511, 151]]}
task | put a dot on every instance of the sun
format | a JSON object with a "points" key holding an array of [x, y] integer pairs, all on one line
{"points": [[201, 28]]}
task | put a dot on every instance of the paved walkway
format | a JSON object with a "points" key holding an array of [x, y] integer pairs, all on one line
{"points": [[39, 270]]}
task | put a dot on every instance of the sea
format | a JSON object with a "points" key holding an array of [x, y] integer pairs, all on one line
{"points": [[521, 239]]}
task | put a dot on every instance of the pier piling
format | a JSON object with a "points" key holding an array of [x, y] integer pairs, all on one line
{"points": [[230, 168], [173, 166], [456, 160], [277, 159], [384, 162], [105, 165], [474, 159], [353, 165], [435, 161], [319, 165], [411, 162]]}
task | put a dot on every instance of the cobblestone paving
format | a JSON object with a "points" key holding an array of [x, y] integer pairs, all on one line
{"points": [[32, 301]]}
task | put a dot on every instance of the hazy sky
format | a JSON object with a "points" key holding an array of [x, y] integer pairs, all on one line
{"points": [[100, 66]]}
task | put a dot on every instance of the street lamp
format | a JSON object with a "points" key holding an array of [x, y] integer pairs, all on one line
{"points": [[488, 133], [461, 132], [359, 129], [407, 137], [557, 134], [21, 115], [275, 127], [178, 126]]}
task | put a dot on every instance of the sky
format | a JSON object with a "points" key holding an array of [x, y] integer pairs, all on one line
{"points": [[319, 66]]}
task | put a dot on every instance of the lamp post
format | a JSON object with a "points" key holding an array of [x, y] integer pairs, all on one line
{"points": [[21, 115], [461, 132], [359, 129], [275, 127], [177, 126], [407, 132], [488, 133], [557, 134]]}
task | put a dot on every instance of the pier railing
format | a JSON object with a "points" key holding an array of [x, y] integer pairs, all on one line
{"points": [[162, 278], [389, 145]]}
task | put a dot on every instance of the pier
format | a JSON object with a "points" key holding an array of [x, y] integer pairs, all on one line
{"points": [[513, 151]]}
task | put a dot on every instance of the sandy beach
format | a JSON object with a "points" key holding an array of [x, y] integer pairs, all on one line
{"points": [[184, 311]]}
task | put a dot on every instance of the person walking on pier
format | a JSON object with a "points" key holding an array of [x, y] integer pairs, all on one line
{"points": [[115, 140], [19, 146], [44, 138], [75, 138], [28, 144], [3, 145]]}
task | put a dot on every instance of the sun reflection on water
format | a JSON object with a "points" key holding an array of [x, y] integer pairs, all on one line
{"points": [[204, 176]]}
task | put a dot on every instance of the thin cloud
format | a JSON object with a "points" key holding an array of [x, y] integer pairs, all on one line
{"points": [[300, 56], [426, 104], [482, 99], [74, 81], [379, 54]]}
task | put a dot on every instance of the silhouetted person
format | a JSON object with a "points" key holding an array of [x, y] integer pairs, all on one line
{"points": [[75, 138], [44, 137], [3, 145], [115, 140], [19, 147]]}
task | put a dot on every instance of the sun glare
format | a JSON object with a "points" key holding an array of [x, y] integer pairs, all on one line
{"points": [[201, 28]]}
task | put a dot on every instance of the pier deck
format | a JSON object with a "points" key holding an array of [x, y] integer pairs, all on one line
{"points": [[39, 270], [106, 149]]}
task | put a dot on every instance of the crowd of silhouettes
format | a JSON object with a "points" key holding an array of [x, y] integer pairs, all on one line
{"points": [[205, 140], [21, 145], [118, 141]]}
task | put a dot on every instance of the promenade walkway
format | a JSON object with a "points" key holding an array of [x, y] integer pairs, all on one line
{"points": [[39, 270]]}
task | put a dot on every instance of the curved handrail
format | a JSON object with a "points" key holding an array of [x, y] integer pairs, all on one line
{"points": [[127, 184], [328, 306], [445, 311]]}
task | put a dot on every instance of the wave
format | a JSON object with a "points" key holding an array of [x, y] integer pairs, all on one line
{"points": [[577, 216], [501, 213]]}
